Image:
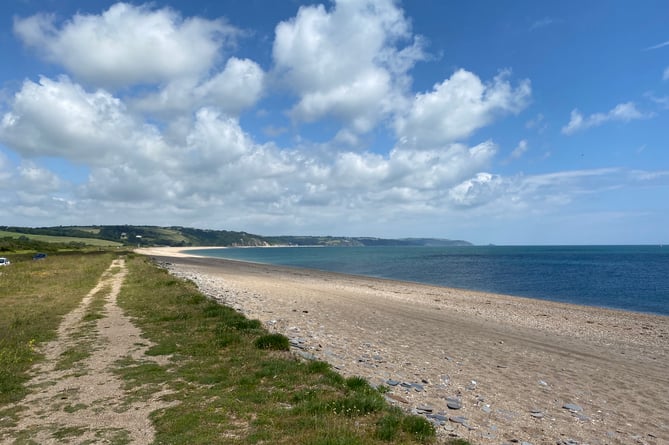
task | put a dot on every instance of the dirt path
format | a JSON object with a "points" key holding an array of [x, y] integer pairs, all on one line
{"points": [[76, 397]]}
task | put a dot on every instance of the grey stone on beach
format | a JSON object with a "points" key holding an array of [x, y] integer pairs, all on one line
{"points": [[438, 417], [537, 414], [572, 407], [297, 343], [462, 421], [453, 402], [392, 382], [424, 409], [307, 356], [458, 419], [396, 398]]}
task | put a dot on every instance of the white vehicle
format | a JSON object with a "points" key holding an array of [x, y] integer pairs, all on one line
{"points": [[4, 262]]}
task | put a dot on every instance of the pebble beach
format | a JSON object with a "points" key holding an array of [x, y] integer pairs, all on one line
{"points": [[492, 369]]}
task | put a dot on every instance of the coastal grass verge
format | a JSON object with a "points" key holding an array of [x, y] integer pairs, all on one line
{"points": [[34, 297], [235, 383]]}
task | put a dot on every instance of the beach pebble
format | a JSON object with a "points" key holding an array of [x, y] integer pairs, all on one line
{"points": [[486, 409], [453, 403], [572, 407], [424, 409], [438, 417], [458, 419], [396, 398], [307, 356], [392, 382]]}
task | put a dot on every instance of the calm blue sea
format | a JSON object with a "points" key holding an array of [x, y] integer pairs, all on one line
{"points": [[633, 278]]}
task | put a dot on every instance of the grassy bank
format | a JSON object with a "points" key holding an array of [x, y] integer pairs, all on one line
{"points": [[231, 382], [231, 391]]}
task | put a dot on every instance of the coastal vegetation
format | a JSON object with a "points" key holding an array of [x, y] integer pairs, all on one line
{"points": [[22, 243], [226, 378]]}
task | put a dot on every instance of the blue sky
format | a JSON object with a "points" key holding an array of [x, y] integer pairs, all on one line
{"points": [[517, 122]]}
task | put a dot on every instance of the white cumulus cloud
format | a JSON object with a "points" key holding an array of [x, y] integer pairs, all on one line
{"points": [[478, 190], [60, 118], [236, 88], [127, 44], [345, 62], [457, 107]]}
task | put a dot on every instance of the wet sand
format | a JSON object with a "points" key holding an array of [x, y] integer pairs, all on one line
{"points": [[513, 363]]}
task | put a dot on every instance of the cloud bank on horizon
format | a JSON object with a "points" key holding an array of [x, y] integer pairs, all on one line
{"points": [[341, 118]]}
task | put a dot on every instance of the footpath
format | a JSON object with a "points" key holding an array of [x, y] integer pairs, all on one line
{"points": [[76, 397]]}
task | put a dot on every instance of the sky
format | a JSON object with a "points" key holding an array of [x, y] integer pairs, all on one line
{"points": [[505, 122]]}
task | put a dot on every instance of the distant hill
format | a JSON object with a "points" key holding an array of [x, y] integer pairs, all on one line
{"points": [[362, 241], [177, 236]]}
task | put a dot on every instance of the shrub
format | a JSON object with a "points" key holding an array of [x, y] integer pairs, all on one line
{"points": [[275, 342], [358, 384], [419, 427], [358, 404], [388, 426]]}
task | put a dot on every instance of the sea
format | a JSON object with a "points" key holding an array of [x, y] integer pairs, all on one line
{"points": [[632, 278]]}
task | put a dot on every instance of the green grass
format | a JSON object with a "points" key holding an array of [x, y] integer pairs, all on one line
{"points": [[275, 342], [61, 239]]}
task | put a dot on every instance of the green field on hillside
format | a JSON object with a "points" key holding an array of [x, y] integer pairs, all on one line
{"points": [[61, 239]]}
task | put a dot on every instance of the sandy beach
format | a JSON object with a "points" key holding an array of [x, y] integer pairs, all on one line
{"points": [[513, 370]]}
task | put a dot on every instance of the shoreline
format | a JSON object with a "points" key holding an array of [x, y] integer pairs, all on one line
{"points": [[180, 252], [512, 362]]}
